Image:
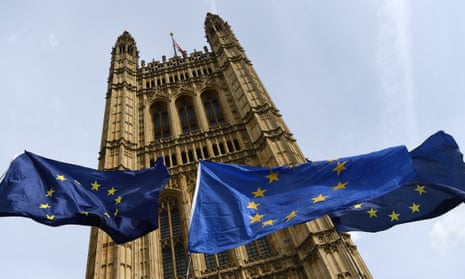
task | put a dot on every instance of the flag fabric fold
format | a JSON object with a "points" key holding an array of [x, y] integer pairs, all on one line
{"points": [[178, 47], [438, 187], [235, 204], [124, 204]]}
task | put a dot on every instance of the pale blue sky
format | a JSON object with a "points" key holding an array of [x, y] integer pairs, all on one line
{"points": [[349, 77]]}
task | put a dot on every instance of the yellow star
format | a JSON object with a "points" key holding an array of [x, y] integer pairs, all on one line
{"points": [[95, 185], [253, 205], [420, 189], [415, 207], [116, 212], [394, 216], [372, 212], [61, 177], [358, 206], [50, 217], [268, 223], [106, 214], [85, 213], [44, 205], [50, 192], [118, 200], [291, 215], [259, 193], [273, 176], [111, 191], [77, 182], [256, 218], [340, 167], [340, 186], [320, 198]]}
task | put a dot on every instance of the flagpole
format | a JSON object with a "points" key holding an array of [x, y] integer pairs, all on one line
{"points": [[194, 202], [196, 191], [188, 264], [174, 45]]}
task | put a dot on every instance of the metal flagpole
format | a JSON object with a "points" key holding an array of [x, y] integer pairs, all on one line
{"points": [[188, 265], [174, 45], [194, 203]]}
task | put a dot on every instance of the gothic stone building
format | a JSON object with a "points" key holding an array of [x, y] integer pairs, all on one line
{"points": [[208, 105]]}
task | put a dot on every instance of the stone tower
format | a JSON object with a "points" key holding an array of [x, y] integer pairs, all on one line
{"points": [[207, 105]]}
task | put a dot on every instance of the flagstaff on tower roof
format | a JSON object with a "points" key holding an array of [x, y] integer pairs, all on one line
{"points": [[177, 46]]}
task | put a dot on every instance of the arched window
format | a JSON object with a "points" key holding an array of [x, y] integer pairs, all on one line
{"points": [[186, 114], [161, 124], [172, 239], [213, 109]]}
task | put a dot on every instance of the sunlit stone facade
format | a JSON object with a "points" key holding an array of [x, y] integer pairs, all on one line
{"points": [[207, 105]]}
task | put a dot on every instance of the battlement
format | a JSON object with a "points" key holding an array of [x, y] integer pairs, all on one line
{"points": [[175, 63]]}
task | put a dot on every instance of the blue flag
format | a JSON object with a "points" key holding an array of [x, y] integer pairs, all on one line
{"points": [[234, 205], [124, 204], [438, 187]]}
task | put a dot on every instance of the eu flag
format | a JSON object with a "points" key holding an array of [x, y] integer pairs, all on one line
{"points": [[124, 204], [438, 187], [234, 204]]}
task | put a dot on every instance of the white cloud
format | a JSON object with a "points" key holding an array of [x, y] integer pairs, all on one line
{"points": [[394, 64], [355, 236], [449, 231], [16, 36], [52, 41], [211, 5]]}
